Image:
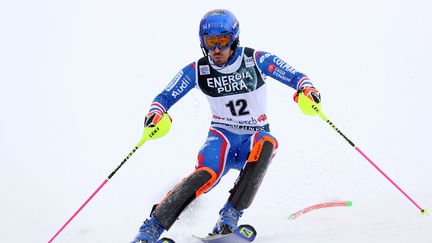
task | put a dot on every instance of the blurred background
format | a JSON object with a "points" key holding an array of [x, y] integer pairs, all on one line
{"points": [[77, 78]]}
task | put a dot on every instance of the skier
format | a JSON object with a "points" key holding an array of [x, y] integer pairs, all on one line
{"points": [[233, 78]]}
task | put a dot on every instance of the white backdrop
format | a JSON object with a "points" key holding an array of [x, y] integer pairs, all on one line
{"points": [[77, 77]]}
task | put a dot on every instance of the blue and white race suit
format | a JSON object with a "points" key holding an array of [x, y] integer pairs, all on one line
{"points": [[237, 96]]}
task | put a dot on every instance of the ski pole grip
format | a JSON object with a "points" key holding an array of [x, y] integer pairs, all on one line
{"points": [[307, 106], [159, 130]]}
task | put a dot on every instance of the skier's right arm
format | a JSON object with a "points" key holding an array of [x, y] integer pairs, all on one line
{"points": [[181, 84]]}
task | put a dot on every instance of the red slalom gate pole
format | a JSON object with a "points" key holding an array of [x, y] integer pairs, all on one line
{"points": [[319, 206]]}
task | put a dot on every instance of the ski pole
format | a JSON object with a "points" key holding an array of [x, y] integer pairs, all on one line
{"points": [[309, 107], [150, 133]]}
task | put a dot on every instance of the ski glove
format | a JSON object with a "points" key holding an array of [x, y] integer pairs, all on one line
{"points": [[309, 91], [152, 118]]}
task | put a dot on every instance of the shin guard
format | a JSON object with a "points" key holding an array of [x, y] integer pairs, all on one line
{"points": [[253, 173], [184, 193]]}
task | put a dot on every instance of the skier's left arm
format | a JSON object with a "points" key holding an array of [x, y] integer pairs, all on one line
{"points": [[273, 66]]}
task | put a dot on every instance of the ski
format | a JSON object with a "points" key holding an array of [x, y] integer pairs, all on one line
{"points": [[165, 240], [244, 233]]}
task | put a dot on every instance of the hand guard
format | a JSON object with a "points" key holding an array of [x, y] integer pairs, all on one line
{"points": [[309, 100], [152, 118], [156, 125], [309, 91]]}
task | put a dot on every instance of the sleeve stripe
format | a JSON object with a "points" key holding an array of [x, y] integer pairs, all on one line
{"points": [[158, 106], [257, 54], [304, 82]]}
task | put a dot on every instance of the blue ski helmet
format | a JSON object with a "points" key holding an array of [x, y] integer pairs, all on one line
{"points": [[219, 22]]}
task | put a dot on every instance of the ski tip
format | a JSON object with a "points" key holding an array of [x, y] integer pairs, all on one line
{"points": [[249, 227], [244, 233], [425, 211], [247, 232], [349, 203], [165, 240]]}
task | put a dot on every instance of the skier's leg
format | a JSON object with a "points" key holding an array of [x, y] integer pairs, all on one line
{"points": [[248, 182], [215, 153], [166, 212], [209, 169], [184, 193], [253, 173]]}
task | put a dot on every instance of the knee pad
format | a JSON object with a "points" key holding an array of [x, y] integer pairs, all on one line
{"points": [[191, 187], [253, 173], [257, 148]]}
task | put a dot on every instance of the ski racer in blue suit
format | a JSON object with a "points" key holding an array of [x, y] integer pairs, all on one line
{"points": [[233, 78]]}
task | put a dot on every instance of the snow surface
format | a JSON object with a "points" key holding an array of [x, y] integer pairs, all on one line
{"points": [[77, 78]]}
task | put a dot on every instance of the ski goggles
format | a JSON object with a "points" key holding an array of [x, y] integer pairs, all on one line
{"points": [[220, 41]]}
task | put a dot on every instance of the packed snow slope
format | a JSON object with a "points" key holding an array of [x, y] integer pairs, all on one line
{"points": [[77, 78]]}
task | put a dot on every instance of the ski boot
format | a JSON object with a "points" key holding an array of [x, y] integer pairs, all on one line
{"points": [[227, 223], [149, 232]]}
